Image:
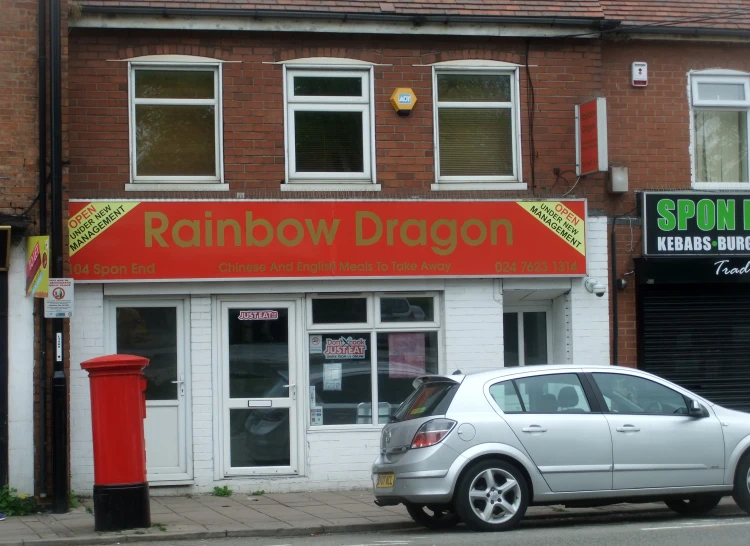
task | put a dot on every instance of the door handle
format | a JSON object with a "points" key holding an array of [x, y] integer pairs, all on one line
{"points": [[534, 428], [181, 383], [292, 390], [628, 428]]}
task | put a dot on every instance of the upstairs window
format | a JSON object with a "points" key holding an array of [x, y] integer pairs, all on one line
{"points": [[175, 124], [329, 126], [476, 125], [721, 104]]}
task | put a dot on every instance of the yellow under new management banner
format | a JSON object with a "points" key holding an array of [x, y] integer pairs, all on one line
{"points": [[565, 223]]}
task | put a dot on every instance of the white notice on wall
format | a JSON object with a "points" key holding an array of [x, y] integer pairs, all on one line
{"points": [[59, 302], [332, 376]]}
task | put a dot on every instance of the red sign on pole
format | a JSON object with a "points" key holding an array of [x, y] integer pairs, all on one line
{"points": [[158, 240], [591, 137]]}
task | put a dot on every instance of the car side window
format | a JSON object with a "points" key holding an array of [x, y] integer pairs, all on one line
{"points": [[555, 393], [506, 397], [631, 394]]}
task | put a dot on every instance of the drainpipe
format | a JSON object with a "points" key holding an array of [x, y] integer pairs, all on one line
{"points": [[42, 119], [60, 498], [613, 290]]}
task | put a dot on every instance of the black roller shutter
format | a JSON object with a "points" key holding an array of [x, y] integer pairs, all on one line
{"points": [[698, 336]]}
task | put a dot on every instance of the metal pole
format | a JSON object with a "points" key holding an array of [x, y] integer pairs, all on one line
{"points": [[61, 497], [4, 379], [42, 106]]}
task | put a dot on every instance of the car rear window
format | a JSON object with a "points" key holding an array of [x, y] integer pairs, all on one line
{"points": [[428, 399]]}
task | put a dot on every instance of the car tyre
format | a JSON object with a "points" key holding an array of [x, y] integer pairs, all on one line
{"points": [[433, 516], [694, 506], [492, 496], [741, 493]]}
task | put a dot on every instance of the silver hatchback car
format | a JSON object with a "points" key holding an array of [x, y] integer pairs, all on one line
{"points": [[481, 448]]}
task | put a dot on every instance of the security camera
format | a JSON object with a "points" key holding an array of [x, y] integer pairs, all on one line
{"points": [[595, 287]]}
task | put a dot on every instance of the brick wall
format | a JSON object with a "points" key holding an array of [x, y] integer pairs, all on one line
{"points": [[563, 74], [19, 154], [649, 132]]}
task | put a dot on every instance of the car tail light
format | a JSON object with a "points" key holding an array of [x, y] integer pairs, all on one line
{"points": [[432, 432]]}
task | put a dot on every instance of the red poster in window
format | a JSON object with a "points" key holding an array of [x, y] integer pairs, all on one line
{"points": [[406, 356]]}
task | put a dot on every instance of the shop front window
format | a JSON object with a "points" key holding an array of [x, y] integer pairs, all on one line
{"points": [[360, 375]]}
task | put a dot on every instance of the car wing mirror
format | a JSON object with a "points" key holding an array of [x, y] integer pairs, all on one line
{"points": [[695, 409]]}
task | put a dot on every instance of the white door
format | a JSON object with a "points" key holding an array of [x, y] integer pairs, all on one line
{"points": [[527, 336], [155, 329], [259, 387]]}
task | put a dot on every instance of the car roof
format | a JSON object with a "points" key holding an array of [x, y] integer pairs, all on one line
{"points": [[499, 373]]}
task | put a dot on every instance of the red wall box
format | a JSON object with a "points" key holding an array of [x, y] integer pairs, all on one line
{"points": [[118, 409]]}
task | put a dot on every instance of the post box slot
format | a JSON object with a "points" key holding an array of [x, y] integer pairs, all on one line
{"points": [[260, 404]]}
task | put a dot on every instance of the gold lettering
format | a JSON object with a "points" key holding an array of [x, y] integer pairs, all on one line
{"points": [[296, 224], [153, 232], [322, 229], [465, 232], [250, 225], [195, 227], [421, 239], [446, 245], [360, 239], [223, 225], [390, 225], [209, 229], [495, 224]]}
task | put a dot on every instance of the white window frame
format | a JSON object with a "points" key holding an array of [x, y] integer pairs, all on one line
{"points": [[519, 310], [157, 183], [716, 76], [372, 328], [512, 182], [364, 104]]}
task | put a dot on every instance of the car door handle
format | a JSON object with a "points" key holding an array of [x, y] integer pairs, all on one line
{"points": [[534, 428], [628, 428]]}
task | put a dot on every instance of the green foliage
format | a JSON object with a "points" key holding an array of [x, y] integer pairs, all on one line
{"points": [[159, 526], [13, 504], [74, 500], [222, 491], [259, 492]]}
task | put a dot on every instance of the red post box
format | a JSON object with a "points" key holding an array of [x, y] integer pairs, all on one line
{"points": [[118, 408]]}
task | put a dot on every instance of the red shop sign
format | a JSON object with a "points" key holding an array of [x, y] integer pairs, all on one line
{"points": [[161, 240]]}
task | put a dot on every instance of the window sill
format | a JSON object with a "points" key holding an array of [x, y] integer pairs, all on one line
{"points": [[362, 186], [345, 428], [201, 186], [473, 186], [721, 185]]}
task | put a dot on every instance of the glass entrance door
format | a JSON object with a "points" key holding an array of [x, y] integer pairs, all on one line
{"points": [[527, 337], [259, 384]]}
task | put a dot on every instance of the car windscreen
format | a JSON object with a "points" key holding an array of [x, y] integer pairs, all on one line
{"points": [[432, 398]]}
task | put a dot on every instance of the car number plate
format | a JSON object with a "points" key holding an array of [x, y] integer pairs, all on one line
{"points": [[386, 480]]}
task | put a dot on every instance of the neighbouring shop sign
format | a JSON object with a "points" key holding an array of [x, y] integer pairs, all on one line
{"points": [[714, 270], [679, 224], [162, 240]]}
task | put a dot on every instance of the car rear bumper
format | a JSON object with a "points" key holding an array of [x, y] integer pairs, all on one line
{"points": [[421, 476]]}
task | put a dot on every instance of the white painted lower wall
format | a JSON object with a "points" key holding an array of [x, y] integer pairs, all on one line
{"points": [[21, 376], [472, 334]]}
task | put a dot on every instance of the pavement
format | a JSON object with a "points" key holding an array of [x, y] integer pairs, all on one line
{"points": [[241, 515]]}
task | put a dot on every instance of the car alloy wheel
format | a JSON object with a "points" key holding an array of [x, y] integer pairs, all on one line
{"points": [[492, 496], [495, 495]]}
